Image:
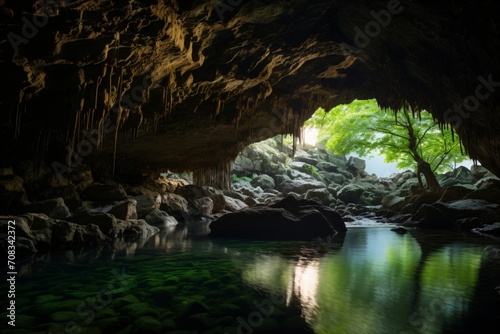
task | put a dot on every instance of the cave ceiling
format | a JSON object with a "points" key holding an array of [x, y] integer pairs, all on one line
{"points": [[188, 84]]}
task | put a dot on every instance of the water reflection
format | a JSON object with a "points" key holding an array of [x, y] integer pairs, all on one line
{"points": [[378, 282]]}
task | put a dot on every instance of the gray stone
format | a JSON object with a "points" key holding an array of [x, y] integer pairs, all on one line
{"points": [[478, 171], [147, 203], [356, 165], [203, 206], [323, 195], [299, 186], [160, 218], [233, 204], [393, 202], [54, 208], [173, 203], [351, 193], [264, 181]]}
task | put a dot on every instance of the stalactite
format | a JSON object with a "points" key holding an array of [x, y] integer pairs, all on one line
{"points": [[118, 119], [17, 128]]}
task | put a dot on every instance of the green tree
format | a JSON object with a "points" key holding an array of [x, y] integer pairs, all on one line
{"points": [[361, 127]]}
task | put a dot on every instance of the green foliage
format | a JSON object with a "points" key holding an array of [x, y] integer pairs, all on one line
{"points": [[362, 128], [235, 178], [312, 170]]}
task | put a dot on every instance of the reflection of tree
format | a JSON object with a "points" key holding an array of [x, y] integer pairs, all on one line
{"points": [[379, 282]]}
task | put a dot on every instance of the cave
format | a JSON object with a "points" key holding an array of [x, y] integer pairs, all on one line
{"points": [[99, 99]]}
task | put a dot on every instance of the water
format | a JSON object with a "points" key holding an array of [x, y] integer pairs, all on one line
{"points": [[374, 281]]}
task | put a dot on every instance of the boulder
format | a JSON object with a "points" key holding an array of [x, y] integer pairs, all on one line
{"points": [[147, 203], [356, 165], [264, 181], [303, 156], [416, 201], [454, 193], [299, 186], [294, 205], [106, 222], [123, 210], [493, 229], [461, 175], [323, 195], [160, 218], [489, 193], [327, 167], [478, 171], [233, 204], [54, 208], [104, 192], [447, 214], [393, 202], [193, 193], [46, 232], [203, 206], [233, 194], [174, 204], [487, 182], [351, 193], [272, 223], [139, 228], [170, 185]]}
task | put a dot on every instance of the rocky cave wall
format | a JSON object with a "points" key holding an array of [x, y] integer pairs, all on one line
{"points": [[185, 85]]}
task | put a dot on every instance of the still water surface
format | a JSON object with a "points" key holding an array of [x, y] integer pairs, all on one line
{"points": [[373, 281]]}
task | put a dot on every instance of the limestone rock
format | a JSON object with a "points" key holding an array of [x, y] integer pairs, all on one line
{"points": [[305, 221], [351, 193], [234, 204], [356, 165], [173, 203], [264, 181], [299, 186], [54, 208], [160, 218], [147, 203], [204, 206], [323, 195]]}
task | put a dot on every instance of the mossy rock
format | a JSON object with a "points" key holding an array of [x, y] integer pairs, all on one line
{"points": [[168, 325], [126, 330], [200, 321], [163, 293], [127, 300], [112, 324], [43, 299], [138, 310], [228, 309], [64, 305], [147, 325], [172, 280]]}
